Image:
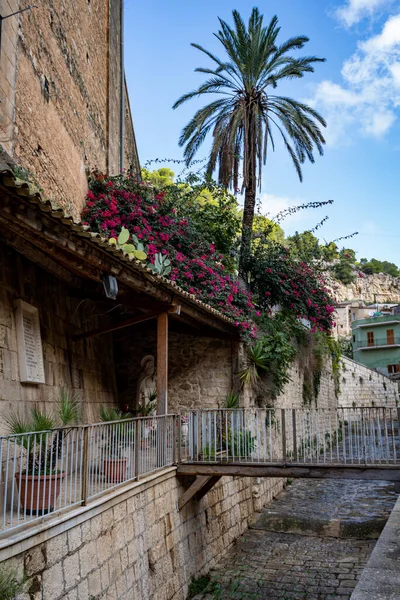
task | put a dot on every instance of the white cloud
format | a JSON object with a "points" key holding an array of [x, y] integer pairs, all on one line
{"points": [[356, 10], [369, 95]]}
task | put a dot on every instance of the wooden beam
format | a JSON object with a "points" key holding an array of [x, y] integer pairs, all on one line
{"points": [[359, 472], [162, 364], [114, 327], [199, 488]]}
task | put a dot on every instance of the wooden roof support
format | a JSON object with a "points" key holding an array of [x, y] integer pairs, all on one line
{"points": [[162, 364], [199, 488], [114, 327]]}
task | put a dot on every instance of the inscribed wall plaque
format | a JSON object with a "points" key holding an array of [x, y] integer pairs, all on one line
{"points": [[30, 353]]}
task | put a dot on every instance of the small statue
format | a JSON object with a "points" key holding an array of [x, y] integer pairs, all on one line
{"points": [[147, 382]]}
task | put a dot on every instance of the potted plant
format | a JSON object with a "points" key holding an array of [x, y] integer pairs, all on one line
{"points": [[42, 436], [115, 460]]}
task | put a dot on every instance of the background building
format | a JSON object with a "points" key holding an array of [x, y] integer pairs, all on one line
{"points": [[376, 343]]}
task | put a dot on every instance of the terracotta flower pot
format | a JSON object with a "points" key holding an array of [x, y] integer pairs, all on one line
{"points": [[38, 493], [114, 469]]}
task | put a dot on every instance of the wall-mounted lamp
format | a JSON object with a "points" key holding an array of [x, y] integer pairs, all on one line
{"points": [[110, 286]]}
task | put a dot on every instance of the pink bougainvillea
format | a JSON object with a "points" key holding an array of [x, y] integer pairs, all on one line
{"points": [[118, 202]]}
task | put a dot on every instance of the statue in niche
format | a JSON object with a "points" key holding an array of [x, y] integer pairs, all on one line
{"points": [[146, 391]]}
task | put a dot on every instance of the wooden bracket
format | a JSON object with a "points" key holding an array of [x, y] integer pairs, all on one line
{"points": [[199, 488]]}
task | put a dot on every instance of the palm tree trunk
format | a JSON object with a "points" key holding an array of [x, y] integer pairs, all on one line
{"points": [[249, 208]]}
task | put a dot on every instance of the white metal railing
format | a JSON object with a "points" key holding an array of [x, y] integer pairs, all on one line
{"points": [[49, 471], [342, 436]]}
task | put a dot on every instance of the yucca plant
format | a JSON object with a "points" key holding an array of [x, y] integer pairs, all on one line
{"points": [[44, 448], [257, 361]]}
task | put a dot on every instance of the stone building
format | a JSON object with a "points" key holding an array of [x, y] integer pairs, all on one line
{"points": [[63, 100]]}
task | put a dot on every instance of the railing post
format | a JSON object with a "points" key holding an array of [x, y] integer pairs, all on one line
{"points": [[179, 448], [85, 465], [137, 448], [283, 420], [294, 433]]}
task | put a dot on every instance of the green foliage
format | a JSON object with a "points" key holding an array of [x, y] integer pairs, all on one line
{"points": [[197, 586], [346, 347], [344, 269], [134, 249], [240, 443], [160, 178], [11, 584], [377, 266], [323, 347], [68, 411], [279, 335], [304, 246], [111, 413], [161, 265], [232, 400]]}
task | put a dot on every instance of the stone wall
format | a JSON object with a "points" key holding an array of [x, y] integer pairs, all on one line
{"points": [[8, 65], [200, 369], [358, 385], [85, 367], [365, 387], [137, 545], [60, 94]]}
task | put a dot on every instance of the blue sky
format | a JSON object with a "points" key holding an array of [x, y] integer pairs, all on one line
{"points": [[357, 90]]}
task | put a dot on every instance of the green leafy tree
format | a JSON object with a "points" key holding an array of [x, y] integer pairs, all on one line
{"points": [[304, 246], [265, 228], [243, 118], [344, 269], [160, 178], [377, 266]]}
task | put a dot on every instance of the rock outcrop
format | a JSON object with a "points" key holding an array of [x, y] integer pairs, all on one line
{"points": [[380, 287]]}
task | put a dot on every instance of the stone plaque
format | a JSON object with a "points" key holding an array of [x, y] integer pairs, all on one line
{"points": [[30, 353]]}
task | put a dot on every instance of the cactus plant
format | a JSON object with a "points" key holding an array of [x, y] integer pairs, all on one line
{"points": [[134, 249], [161, 266]]}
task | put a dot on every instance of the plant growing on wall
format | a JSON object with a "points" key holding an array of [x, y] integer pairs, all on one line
{"points": [[11, 583], [134, 249]]}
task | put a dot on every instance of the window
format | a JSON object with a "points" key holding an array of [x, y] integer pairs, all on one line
{"points": [[370, 338], [390, 336], [394, 368], [354, 316], [342, 326], [354, 338]]}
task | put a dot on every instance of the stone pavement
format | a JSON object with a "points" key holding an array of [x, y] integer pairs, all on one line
{"points": [[310, 564]]}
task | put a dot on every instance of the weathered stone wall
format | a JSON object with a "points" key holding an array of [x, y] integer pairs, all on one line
{"points": [[200, 369], [8, 64], [85, 367], [362, 386], [62, 92], [137, 545], [358, 385]]}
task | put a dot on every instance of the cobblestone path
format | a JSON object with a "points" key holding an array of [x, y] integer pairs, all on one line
{"points": [[265, 564]]}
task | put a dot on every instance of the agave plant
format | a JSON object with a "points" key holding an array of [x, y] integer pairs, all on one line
{"points": [[257, 360], [232, 400], [134, 249], [44, 448], [161, 266]]}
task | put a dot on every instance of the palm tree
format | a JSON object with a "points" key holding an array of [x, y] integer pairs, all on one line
{"points": [[243, 119]]}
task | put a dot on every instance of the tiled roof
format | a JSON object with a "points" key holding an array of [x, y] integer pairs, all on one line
{"points": [[30, 193]]}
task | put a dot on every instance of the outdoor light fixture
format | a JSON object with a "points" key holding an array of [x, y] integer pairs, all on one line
{"points": [[110, 286]]}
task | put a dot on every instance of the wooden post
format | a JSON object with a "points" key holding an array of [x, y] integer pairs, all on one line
{"points": [[162, 364], [85, 466], [294, 434]]}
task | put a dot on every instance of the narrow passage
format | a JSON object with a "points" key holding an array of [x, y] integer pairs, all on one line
{"points": [[311, 543]]}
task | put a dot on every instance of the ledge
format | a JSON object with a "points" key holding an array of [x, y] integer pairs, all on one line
{"points": [[380, 579], [62, 521]]}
